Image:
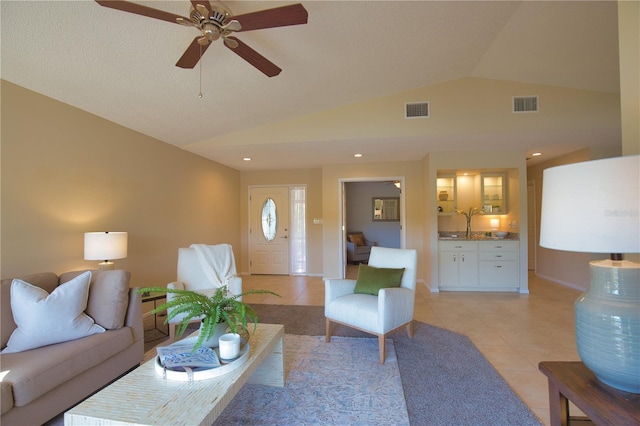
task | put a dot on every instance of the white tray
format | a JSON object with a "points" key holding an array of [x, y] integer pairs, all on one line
{"points": [[202, 373]]}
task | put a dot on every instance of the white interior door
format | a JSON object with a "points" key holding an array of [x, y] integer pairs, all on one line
{"points": [[269, 232]]}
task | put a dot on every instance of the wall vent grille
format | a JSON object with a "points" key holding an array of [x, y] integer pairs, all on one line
{"points": [[416, 110], [525, 104]]}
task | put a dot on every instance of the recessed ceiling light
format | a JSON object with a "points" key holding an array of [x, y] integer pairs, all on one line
{"points": [[536, 154], [357, 155], [246, 159]]}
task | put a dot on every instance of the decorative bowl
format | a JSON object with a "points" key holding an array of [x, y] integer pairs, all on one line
{"points": [[501, 234]]}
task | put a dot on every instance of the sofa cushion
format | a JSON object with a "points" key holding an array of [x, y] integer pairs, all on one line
{"points": [[47, 281], [108, 296], [45, 319], [36, 372], [357, 239], [371, 280]]}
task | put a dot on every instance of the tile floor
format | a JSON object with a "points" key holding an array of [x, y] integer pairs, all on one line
{"points": [[513, 331]]}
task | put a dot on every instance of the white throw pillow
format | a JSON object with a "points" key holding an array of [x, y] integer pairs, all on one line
{"points": [[44, 319]]}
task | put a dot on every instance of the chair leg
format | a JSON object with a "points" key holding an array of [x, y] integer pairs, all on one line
{"points": [[382, 348], [327, 330], [410, 329]]}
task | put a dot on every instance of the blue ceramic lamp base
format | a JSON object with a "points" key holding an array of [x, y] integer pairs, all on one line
{"points": [[608, 324]]}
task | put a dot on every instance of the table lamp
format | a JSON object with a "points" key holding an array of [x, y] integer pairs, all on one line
{"points": [[593, 207], [105, 246]]}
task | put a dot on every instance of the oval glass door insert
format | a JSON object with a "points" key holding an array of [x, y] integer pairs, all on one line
{"points": [[269, 219]]}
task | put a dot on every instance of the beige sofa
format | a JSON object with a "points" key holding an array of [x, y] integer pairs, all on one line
{"points": [[38, 384]]}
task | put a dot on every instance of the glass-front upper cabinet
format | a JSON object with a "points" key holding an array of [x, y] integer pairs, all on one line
{"points": [[446, 194], [494, 193]]}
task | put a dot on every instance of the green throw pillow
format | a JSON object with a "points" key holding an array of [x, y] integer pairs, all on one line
{"points": [[371, 279]]}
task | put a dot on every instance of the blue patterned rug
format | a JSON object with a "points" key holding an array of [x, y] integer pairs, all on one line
{"points": [[340, 383], [445, 378]]}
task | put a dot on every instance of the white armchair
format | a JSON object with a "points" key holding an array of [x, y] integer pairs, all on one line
{"points": [[204, 268], [391, 309]]}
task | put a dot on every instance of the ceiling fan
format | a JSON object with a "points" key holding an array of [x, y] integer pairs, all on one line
{"points": [[215, 21]]}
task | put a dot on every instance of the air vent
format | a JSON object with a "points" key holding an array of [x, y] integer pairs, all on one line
{"points": [[525, 104], [416, 110]]}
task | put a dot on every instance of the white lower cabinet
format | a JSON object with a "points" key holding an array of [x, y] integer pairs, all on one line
{"points": [[458, 262], [478, 265], [498, 268]]}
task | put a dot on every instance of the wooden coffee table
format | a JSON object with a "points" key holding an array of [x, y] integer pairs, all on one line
{"points": [[142, 397]]}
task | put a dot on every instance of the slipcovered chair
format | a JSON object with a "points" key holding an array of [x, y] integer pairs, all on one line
{"points": [[203, 268], [359, 304], [358, 247]]}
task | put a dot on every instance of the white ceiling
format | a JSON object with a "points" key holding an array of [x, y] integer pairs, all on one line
{"points": [[120, 66]]}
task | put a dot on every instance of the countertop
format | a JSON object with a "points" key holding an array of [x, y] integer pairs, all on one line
{"points": [[462, 237]]}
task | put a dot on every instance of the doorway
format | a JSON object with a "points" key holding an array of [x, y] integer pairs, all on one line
{"points": [[357, 212]]}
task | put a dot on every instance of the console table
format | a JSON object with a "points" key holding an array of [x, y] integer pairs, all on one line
{"points": [[573, 381]]}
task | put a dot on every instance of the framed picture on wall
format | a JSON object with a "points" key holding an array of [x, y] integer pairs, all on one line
{"points": [[386, 209]]}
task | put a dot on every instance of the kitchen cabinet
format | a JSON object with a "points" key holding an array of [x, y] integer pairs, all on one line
{"points": [[494, 193], [458, 261], [446, 192], [498, 265], [488, 265]]}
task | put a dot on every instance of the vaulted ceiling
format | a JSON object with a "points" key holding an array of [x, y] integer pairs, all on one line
{"points": [[121, 66]]}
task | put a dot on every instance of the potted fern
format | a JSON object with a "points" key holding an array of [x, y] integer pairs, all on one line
{"points": [[220, 308]]}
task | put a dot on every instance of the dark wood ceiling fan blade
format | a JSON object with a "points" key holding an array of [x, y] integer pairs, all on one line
{"points": [[192, 55], [294, 14], [267, 67], [139, 9]]}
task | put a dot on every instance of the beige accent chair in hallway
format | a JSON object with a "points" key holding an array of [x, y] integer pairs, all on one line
{"points": [[203, 268], [358, 247], [391, 309]]}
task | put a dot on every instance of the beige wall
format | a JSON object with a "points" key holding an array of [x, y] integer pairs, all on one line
{"points": [[629, 46], [462, 111], [66, 172], [312, 179], [413, 211], [568, 268]]}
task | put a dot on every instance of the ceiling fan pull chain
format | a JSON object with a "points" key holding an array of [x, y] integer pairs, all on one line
{"points": [[200, 67]]}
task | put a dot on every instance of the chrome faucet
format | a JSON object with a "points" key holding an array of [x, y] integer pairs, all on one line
{"points": [[472, 212]]}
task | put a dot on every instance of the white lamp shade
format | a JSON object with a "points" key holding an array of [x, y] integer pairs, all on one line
{"points": [[494, 223], [592, 206], [105, 245]]}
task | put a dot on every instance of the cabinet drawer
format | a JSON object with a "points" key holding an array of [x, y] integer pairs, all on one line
{"points": [[499, 274], [498, 255], [499, 246], [458, 245]]}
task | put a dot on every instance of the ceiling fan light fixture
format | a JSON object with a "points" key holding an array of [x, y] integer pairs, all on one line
{"points": [[211, 31]]}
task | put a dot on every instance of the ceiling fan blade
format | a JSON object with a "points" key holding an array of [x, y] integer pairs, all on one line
{"points": [[201, 3], [139, 9], [191, 56], [230, 43], [267, 67], [294, 14]]}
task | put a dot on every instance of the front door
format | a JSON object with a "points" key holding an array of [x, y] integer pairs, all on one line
{"points": [[269, 232]]}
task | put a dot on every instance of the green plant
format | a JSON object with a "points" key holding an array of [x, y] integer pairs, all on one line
{"points": [[222, 306]]}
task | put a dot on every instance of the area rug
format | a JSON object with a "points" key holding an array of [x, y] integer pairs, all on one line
{"points": [[446, 380], [326, 384]]}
